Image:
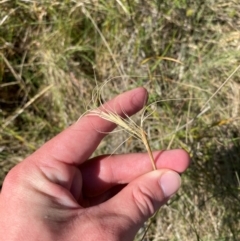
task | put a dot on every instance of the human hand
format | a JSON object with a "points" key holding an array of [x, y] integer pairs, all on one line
{"points": [[56, 194]]}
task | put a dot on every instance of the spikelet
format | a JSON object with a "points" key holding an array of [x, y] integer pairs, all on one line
{"points": [[127, 125]]}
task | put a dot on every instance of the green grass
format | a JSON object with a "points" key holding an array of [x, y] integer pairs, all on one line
{"points": [[71, 46]]}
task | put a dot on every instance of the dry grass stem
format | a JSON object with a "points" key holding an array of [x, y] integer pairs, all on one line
{"points": [[20, 111], [74, 45]]}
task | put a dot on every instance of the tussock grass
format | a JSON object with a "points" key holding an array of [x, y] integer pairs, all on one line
{"points": [[69, 44]]}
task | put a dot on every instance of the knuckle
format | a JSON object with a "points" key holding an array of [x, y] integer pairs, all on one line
{"points": [[14, 177], [143, 198]]}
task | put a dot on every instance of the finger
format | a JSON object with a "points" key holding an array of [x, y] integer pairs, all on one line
{"points": [[142, 198], [76, 143], [102, 173]]}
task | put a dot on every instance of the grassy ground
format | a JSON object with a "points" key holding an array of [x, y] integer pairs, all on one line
{"points": [[53, 52]]}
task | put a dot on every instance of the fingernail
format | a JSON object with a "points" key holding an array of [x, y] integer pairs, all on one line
{"points": [[170, 183], [141, 98], [145, 98]]}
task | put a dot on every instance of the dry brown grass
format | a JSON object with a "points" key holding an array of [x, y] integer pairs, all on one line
{"points": [[69, 44]]}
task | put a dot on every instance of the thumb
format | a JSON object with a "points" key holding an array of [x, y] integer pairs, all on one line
{"points": [[143, 197]]}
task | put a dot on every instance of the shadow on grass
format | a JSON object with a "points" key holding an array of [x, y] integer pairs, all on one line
{"points": [[215, 177]]}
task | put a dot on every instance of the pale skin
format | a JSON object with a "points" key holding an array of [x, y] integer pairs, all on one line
{"points": [[58, 193]]}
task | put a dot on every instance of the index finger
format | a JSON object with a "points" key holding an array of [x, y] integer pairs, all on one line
{"points": [[76, 144]]}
